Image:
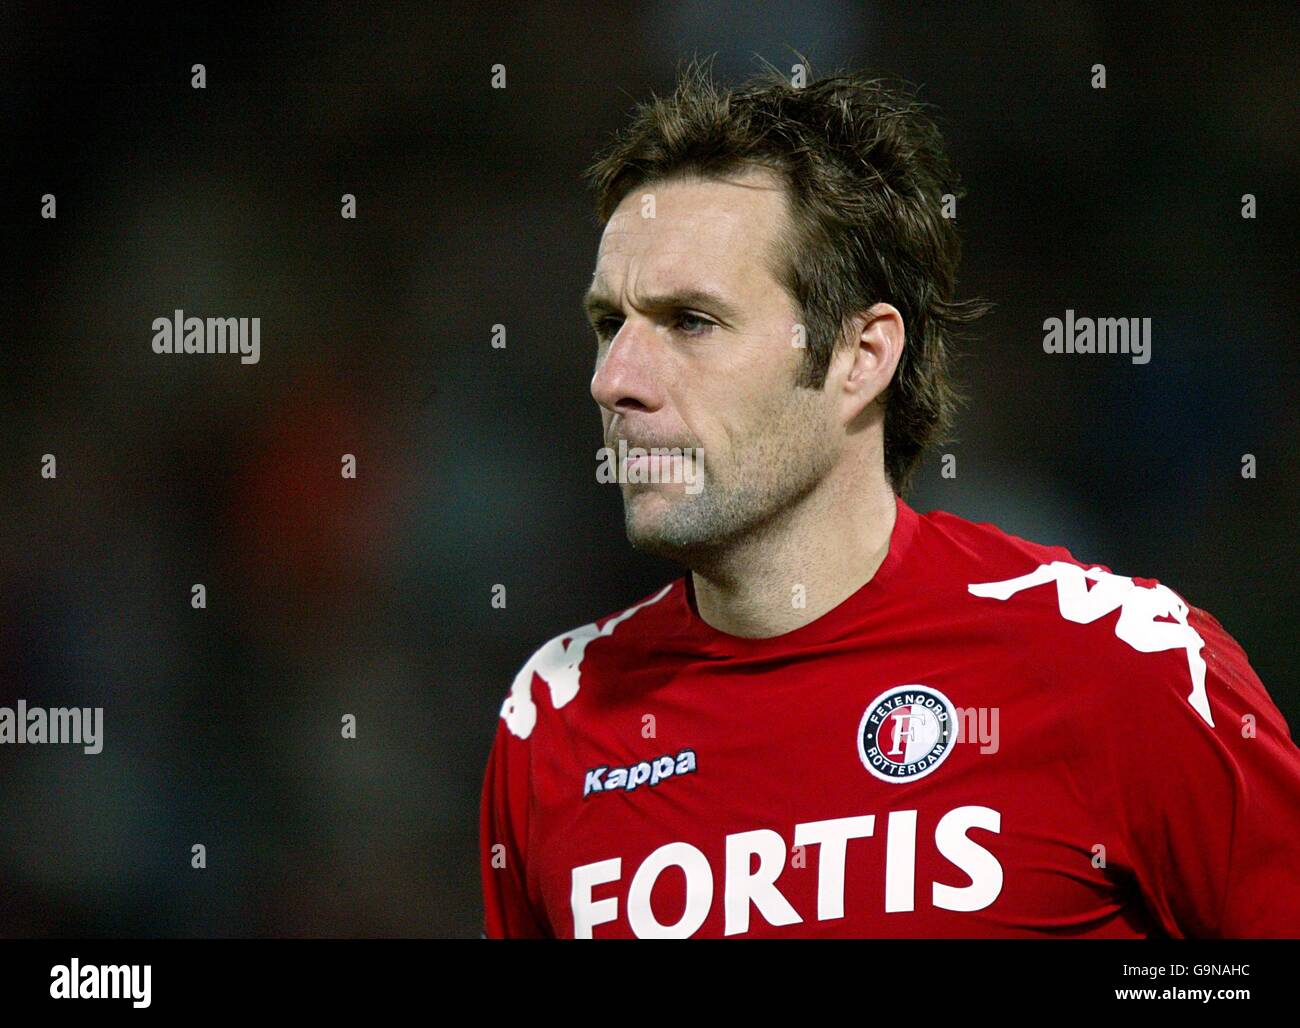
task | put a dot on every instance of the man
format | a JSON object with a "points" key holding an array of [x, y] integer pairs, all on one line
{"points": [[851, 719]]}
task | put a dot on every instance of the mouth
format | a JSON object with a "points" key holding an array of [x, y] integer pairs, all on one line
{"points": [[654, 468]]}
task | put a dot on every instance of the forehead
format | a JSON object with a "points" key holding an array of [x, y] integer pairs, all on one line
{"points": [[723, 228]]}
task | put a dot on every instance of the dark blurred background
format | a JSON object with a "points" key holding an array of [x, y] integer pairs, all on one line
{"points": [[476, 465]]}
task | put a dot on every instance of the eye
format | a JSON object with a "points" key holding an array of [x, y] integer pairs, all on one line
{"points": [[607, 326], [703, 325]]}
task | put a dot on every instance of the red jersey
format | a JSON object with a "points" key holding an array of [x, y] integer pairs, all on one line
{"points": [[987, 739]]}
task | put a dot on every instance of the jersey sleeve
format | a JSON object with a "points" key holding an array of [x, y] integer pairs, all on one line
{"points": [[503, 841], [1209, 816]]}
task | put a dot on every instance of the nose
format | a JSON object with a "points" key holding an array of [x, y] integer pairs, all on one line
{"points": [[627, 375]]}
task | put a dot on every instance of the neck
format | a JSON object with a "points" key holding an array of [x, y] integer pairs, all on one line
{"points": [[831, 544]]}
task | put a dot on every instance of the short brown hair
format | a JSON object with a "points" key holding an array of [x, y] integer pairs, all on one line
{"points": [[866, 175]]}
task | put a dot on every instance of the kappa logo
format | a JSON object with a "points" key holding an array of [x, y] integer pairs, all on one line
{"points": [[645, 772], [559, 665], [1139, 608], [906, 732]]}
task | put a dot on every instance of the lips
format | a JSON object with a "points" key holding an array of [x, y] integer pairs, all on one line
{"points": [[630, 445], [661, 460]]}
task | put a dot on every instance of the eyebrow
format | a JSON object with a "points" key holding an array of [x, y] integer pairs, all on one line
{"points": [[597, 303]]}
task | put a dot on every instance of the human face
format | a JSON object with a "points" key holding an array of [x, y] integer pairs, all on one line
{"points": [[698, 346]]}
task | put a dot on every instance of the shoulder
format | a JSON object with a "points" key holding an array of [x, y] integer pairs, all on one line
{"points": [[558, 663], [1134, 642], [1010, 587], [981, 549]]}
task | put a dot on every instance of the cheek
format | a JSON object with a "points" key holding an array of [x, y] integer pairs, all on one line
{"points": [[741, 412], [794, 431], [743, 431]]}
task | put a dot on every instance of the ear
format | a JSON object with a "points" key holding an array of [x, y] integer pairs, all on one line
{"points": [[866, 368]]}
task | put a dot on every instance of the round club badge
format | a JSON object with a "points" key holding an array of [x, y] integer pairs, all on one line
{"points": [[907, 732]]}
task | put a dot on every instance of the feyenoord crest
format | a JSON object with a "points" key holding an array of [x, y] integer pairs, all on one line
{"points": [[907, 732]]}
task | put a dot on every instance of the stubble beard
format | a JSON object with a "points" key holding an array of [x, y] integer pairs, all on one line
{"points": [[777, 471]]}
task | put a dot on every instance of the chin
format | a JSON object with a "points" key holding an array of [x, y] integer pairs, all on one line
{"points": [[646, 519], [649, 523], [664, 530]]}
